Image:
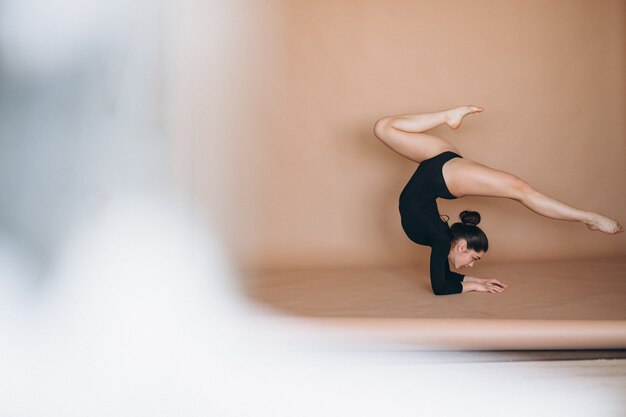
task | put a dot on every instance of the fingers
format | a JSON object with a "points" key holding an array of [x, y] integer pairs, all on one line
{"points": [[495, 288], [496, 282], [492, 285]]}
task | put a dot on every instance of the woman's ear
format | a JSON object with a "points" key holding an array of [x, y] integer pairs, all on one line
{"points": [[461, 245]]}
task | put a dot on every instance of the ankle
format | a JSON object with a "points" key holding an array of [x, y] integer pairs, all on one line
{"points": [[589, 217]]}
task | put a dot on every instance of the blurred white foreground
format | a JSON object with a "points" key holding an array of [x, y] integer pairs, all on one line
{"points": [[140, 318]]}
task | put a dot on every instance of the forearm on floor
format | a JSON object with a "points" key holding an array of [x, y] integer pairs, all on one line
{"points": [[468, 285]]}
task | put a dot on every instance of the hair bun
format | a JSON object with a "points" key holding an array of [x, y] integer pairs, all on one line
{"points": [[469, 217]]}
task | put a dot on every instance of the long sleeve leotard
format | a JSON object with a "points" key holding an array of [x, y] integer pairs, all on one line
{"points": [[423, 225]]}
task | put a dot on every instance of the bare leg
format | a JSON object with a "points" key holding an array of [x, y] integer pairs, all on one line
{"points": [[466, 177], [421, 122], [403, 133]]}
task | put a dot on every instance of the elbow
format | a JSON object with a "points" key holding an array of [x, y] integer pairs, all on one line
{"points": [[443, 289], [439, 290]]}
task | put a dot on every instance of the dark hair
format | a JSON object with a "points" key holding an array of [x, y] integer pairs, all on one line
{"points": [[467, 229]]}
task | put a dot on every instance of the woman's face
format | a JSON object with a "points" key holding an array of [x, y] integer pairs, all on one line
{"points": [[462, 257]]}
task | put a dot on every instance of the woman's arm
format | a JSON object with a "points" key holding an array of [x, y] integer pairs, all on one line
{"points": [[441, 281]]}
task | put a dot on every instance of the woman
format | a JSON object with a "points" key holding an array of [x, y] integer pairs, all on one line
{"points": [[444, 173]]}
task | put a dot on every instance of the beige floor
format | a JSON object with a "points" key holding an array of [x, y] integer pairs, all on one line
{"points": [[548, 305]]}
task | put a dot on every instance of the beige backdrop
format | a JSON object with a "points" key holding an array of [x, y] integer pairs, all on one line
{"points": [[275, 101]]}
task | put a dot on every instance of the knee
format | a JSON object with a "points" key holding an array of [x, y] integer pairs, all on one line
{"points": [[522, 190], [381, 126]]}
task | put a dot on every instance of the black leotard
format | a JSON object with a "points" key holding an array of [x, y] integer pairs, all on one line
{"points": [[423, 225]]}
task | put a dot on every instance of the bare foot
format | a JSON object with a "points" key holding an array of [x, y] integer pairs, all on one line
{"points": [[457, 114], [604, 224]]}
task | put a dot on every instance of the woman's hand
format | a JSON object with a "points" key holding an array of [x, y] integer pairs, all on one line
{"points": [[485, 284]]}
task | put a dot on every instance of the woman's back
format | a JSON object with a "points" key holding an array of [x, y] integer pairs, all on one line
{"points": [[418, 205]]}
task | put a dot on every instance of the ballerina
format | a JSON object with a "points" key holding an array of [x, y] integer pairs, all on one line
{"points": [[444, 173]]}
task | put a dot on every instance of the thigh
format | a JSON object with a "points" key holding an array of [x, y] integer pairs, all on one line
{"points": [[466, 177], [417, 147]]}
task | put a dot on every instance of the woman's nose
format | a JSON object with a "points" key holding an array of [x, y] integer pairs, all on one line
{"points": [[471, 264]]}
